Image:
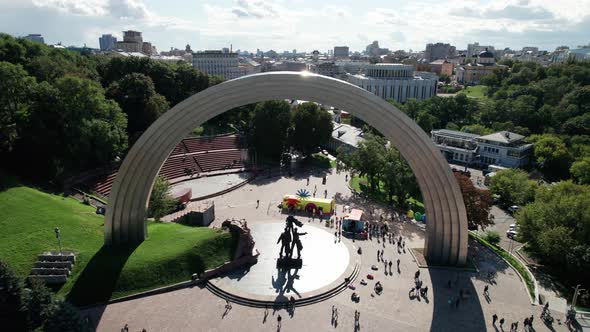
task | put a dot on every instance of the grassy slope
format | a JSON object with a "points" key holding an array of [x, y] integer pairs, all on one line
{"points": [[476, 91], [170, 255]]}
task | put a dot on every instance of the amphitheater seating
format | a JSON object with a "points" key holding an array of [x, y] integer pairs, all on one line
{"points": [[103, 184], [175, 166], [218, 160], [202, 144], [201, 154]]}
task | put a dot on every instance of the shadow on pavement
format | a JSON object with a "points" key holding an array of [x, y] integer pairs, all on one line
{"points": [[448, 315]]}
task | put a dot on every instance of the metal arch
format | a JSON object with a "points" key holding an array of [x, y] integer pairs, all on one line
{"points": [[446, 231]]}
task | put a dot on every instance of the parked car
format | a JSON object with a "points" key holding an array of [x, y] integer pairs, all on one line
{"points": [[512, 227], [513, 209], [512, 234]]}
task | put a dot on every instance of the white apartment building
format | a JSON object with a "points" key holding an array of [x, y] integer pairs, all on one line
{"points": [[396, 81], [224, 64]]}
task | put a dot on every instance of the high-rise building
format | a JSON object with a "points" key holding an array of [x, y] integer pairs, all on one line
{"points": [[107, 42], [340, 52], [439, 51], [35, 38], [224, 64], [396, 81], [132, 42]]}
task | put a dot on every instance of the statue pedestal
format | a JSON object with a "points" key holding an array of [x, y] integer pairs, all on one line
{"points": [[289, 263]]}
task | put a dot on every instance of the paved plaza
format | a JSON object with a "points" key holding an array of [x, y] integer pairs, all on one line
{"points": [[197, 309]]}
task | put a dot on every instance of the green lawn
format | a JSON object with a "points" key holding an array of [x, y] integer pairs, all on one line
{"points": [[320, 161], [360, 185], [476, 91], [171, 253]]}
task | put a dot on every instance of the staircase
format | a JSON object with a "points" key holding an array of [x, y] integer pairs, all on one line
{"points": [[53, 267]]}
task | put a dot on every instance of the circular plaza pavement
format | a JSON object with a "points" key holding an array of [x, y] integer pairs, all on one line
{"points": [[325, 264]]}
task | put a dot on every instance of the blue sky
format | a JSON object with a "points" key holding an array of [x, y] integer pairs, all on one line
{"points": [[304, 24]]}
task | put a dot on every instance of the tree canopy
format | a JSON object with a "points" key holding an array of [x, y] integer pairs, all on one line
{"points": [[513, 187], [62, 108], [556, 226], [312, 127]]}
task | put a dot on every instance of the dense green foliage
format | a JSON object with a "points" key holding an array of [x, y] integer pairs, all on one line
{"points": [[312, 127], [34, 307], [273, 127], [171, 253], [62, 112], [137, 96], [551, 103], [12, 317], [492, 237], [161, 203], [383, 167], [269, 129], [556, 226], [513, 187]]}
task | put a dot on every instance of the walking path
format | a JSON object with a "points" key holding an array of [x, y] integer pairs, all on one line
{"points": [[196, 309]]}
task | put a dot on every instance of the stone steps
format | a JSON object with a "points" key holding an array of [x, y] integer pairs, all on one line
{"points": [[53, 267], [274, 304]]}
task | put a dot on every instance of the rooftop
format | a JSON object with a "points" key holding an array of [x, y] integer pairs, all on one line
{"points": [[347, 134], [454, 133], [502, 137]]}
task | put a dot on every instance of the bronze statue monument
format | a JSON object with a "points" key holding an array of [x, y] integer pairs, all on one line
{"points": [[290, 239]]}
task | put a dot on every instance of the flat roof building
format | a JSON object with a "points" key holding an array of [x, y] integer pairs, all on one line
{"points": [[396, 81], [503, 148], [212, 62]]}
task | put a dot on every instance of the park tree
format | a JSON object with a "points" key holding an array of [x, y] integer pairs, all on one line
{"points": [[64, 317], [37, 299], [136, 95], [551, 154], [398, 179], [556, 226], [16, 89], [11, 50], [269, 128], [188, 82], [478, 203], [580, 170], [477, 129], [12, 316], [368, 159], [513, 187], [161, 202], [312, 127], [71, 126]]}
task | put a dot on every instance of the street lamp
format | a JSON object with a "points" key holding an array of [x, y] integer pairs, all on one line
{"points": [[58, 236]]}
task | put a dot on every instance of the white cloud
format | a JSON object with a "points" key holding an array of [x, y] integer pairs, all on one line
{"points": [[129, 9], [76, 7]]}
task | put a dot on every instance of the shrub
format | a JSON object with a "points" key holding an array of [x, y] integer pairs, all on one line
{"points": [[492, 237]]}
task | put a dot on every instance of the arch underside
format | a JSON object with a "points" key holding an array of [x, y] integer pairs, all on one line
{"points": [[446, 231]]}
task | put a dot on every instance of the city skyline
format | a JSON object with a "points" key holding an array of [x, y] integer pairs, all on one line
{"points": [[303, 25]]}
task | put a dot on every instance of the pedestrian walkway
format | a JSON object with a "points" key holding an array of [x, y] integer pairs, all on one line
{"points": [[454, 300]]}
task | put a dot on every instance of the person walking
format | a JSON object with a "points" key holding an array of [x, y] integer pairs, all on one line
{"points": [[279, 319], [485, 290], [398, 264], [494, 319], [501, 323], [257, 203]]}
